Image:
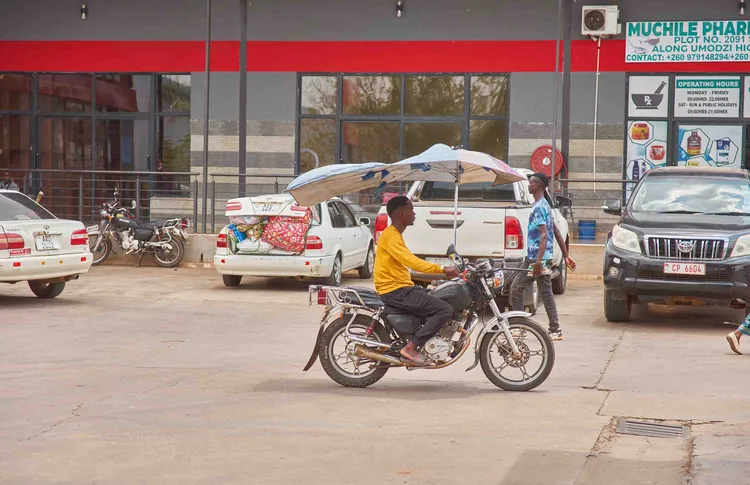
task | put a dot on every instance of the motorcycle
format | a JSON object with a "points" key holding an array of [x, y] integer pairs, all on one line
{"points": [[372, 334], [164, 239]]}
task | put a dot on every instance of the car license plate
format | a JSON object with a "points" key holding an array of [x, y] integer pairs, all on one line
{"points": [[267, 208], [685, 268], [440, 261], [92, 229], [47, 242]]}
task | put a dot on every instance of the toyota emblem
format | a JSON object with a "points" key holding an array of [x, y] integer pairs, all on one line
{"points": [[686, 246]]}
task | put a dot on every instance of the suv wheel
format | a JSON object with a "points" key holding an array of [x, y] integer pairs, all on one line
{"points": [[617, 307]]}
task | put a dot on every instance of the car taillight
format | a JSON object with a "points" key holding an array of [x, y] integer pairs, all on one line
{"points": [[322, 297], [79, 238], [221, 241], [11, 240], [381, 223], [313, 242], [513, 233], [234, 206]]}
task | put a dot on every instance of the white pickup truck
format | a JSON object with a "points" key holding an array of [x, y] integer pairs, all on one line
{"points": [[492, 223]]}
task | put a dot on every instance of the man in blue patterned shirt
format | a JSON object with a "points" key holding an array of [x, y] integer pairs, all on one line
{"points": [[541, 254]]}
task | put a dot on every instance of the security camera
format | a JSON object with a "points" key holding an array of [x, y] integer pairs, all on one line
{"points": [[399, 8]]}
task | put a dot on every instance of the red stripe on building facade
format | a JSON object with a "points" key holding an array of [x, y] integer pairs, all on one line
{"points": [[329, 56]]}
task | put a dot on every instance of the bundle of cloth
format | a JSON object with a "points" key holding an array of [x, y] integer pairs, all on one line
{"points": [[264, 234]]}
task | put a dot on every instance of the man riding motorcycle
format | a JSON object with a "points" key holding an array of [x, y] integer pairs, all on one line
{"points": [[393, 281]]}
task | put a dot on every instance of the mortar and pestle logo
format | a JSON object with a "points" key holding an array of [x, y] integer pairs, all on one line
{"points": [[649, 101]]}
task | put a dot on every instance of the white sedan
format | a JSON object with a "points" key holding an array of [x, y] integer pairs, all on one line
{"points": [[271, 236], [37, 247]]}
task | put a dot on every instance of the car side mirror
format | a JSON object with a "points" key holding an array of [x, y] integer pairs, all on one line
{"points": [[563, 201], [612, 207], [451, 251], [364, 221]]}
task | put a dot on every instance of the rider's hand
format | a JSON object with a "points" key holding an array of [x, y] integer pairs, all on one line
{"points": [[450, 271], [571, 263], [538, 269]]}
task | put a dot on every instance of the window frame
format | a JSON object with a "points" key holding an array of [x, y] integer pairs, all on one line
{"points": [[153, 116], [340, 118], [347, 212]]}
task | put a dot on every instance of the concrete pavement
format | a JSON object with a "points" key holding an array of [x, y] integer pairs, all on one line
{"points": [[151, 375]]}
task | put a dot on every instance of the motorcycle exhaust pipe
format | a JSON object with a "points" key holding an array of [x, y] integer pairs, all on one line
{"points": [[362, 351]]}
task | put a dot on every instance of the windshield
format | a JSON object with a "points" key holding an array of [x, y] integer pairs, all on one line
{"points": [[479, 191], [693, 195], [15, 206]]}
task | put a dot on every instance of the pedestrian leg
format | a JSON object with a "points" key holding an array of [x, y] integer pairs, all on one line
{"points": [[548, 297], [517, 290]]}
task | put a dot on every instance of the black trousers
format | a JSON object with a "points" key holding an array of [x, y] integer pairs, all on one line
{"points": [[415, 300]]}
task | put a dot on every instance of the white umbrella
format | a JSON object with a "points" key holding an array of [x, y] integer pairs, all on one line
{"points": [[439, 163]]}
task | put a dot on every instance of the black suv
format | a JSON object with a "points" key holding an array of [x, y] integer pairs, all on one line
{"points": [[683, 238]]}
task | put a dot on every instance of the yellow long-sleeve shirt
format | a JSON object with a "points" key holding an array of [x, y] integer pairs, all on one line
{"points": [[393, 262]]}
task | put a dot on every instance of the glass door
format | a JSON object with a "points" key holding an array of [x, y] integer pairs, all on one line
{"points": [[68, 145]]}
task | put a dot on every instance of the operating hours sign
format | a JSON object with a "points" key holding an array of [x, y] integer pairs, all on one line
{"points": [[707, 97]]}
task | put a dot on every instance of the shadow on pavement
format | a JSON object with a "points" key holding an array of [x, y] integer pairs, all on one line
{"points": [[13, 301], [402, 390]]}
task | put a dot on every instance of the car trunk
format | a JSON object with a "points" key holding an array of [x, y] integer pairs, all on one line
{"points": [[268, 225], [37, 237]]}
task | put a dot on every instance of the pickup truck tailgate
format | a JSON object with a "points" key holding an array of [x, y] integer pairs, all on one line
{"points": [[481, 231]]}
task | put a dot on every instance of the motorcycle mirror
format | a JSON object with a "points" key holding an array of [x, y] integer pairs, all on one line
{"points": [[451, 250], [133, 204]]}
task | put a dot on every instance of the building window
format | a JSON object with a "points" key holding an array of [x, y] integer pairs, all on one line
{"points": [[95, 121], [387, 117]]}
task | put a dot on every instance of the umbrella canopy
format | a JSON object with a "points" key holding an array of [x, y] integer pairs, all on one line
{"points": [[439, 163]]}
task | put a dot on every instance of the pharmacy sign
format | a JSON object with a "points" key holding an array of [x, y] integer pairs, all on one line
{"points": [[698, 41]]}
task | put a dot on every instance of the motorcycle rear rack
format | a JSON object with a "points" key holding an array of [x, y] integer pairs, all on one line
{"points": [[338, 296]]}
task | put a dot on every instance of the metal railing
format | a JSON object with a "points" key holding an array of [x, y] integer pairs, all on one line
{"points": [[587, 223], [79, 194]]}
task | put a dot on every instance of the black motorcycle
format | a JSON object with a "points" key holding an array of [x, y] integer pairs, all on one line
{"points": [[359, 337], [165, 239]]}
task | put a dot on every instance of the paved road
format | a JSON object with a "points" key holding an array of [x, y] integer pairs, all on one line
{"points": [[150, 375]]}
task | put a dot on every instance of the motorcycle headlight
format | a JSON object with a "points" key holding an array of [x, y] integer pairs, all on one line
{"points": [[496, 280], [103, 213], [741, 247], [625, 239]]}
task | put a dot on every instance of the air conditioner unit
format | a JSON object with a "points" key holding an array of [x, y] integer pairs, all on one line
{"points": [[600, 20]]}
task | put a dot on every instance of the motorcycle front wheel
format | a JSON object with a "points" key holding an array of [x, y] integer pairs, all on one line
{"points": [[169, 258], [103, 251], [336, 353], [524, 371]]}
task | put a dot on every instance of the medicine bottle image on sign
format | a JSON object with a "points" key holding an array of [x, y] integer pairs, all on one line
{"points": [[694, 144]]}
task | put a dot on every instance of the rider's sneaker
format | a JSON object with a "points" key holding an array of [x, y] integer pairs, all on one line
{"points": [[556, 335]]}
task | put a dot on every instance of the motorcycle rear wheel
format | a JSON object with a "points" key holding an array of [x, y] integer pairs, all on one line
{"points": [[327, 353], [105, 249], [520, 326], [170, 258]]}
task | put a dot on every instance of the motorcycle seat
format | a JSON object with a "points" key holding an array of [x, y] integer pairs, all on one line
{"points": [[401, 321], [153, 224]]}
